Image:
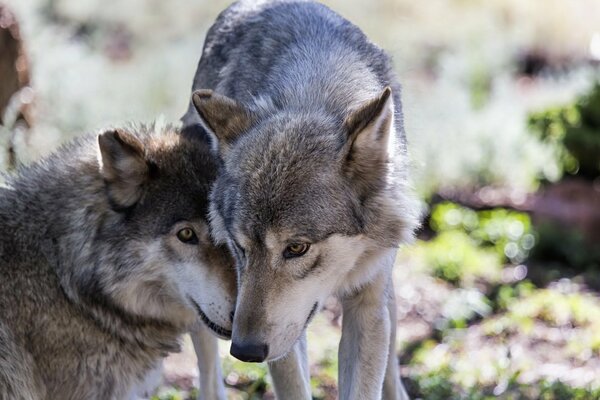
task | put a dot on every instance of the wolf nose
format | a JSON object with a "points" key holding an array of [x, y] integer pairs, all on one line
{"points": [[249, 352]]}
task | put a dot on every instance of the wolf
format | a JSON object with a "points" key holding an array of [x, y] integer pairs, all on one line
{"points": [[313, 198], [106, 259]]}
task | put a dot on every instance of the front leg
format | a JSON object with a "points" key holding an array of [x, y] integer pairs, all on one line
{"points": [[392, 385], [290, 374], [365, 343], [209, 364]]}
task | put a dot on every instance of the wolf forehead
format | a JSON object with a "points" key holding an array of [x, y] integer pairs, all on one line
{"points": [[179, 158], [286, 175], [181, 171]]}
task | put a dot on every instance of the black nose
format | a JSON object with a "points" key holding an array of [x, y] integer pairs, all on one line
{"points": [[249, 352], [231, 315]]}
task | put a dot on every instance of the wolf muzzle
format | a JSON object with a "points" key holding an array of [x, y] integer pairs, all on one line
{"points": [[217, 329]]}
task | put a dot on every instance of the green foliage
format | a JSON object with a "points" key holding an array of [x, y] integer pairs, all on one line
{"points": [[530, 310], [467, 365], [250, 377], [472, 246], [555, 308], [173, 393], [456, 258], [440, 385], [558, 390], [326, 375], [480, 86], [507, 294], [573, 131], [170, 394], [508, 232], [443, 383], [436, 385]]}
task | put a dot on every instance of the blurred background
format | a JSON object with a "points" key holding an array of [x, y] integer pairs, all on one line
{"points": [[499, 295]]}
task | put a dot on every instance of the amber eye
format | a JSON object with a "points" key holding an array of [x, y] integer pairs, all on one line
{"points": [[187, 235], [296, 250]]}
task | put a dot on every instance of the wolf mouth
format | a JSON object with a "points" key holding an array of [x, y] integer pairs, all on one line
{"points": [[219, 330], [311, 314]]}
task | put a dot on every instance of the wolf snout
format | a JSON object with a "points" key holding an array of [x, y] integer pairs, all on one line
{"points": [[249, 351]]}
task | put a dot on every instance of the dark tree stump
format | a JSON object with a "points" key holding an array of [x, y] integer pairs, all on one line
{"points": [[14, 76], [572, 203]]}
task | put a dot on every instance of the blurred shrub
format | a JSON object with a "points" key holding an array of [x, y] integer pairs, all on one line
{"points": [[479, 363], [507, 293], [473, 246], [566, 246], [171, 393], [462, 306], [508, 232], [251, 378], [556, 309], [436, 385], [457, 258], [574, 133], [531, 311], [440, 385], [324, 375], [558, 390]]}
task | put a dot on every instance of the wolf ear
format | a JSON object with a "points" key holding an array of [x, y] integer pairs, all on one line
{"points": [[369, 129], [224, 117], [123, 167]]}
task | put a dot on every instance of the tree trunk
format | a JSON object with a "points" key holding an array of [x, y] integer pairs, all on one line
{"points": [[14, 78]]}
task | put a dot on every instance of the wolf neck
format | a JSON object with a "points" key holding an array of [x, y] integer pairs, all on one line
{"points": [[49, 195], [337, 84], [58, 204]]}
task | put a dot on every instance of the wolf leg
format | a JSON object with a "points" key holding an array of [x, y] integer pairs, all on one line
{"points": [[392, 385], [209, 364], [18, 380], [364, 347], [290, 374]]}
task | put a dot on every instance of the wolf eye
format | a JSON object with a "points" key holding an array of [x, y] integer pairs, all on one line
{"points": [[187, 235], [296, 250]]}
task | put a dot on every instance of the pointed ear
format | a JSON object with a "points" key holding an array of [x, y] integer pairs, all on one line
{"points": [[369, 137], [123, 167], [224, 117]]}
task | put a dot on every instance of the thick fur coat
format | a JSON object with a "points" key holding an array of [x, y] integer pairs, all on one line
{"points": [[313, 198], [105, 260]]}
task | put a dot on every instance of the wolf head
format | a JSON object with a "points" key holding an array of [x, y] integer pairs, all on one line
{"points": [[152, 255], [303, 199]]}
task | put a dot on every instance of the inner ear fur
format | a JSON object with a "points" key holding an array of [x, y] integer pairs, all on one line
{"points": [[223, 116], [123, 167], [369, 128]]}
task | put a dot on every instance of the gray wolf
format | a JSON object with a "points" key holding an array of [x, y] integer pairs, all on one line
{"points": [[106, 259], [313, 198]]}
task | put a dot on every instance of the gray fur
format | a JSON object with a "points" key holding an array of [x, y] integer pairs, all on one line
{"points": [[306, 114], [93, 289]]}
